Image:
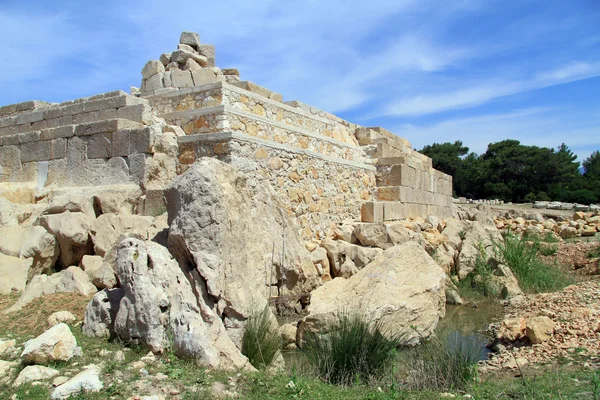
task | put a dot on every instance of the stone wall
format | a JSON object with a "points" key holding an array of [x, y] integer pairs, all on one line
{"points": [[325, 169], [98, 140]]}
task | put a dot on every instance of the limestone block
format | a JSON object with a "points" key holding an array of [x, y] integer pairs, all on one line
{"points": [[58, 148], [55, 133], [107, 126], [190, 38], [203, 77], [181, 57], [372, 212], [108, 227], [33, 373], [393, 211], [231, 71], [167, 80], [137, 166], [99, 146], [9, 140], [10, 157], [87, 380], [56, 344], [191, 65], [72, 232], [141, 141], [165, 59], [120, 144], [208, 51], [13, 273], [100, 272], [388, 193], [36, 151], [152, 83], [28, 118], [138, 113], [29, 137], [152, 67], [181, 79]]}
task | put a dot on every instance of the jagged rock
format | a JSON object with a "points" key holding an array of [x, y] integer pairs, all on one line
{"points": [[108, 227], [72, 233], [7, 213], [56, 344], [319, 258], [71, 280], [152, 67], [229, 233], [403, 286], [73, 202], [85, 381], [34, 243], [346, 259], [33, 373], [59, 317], [512, 329], [101, 312], [162, 306], [372, 234], [99, 272], [568, 232], [190, 38], [13, 273], [539, 329]]}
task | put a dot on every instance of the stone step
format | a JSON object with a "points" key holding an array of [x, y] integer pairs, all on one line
{"points": [[382, 211]]}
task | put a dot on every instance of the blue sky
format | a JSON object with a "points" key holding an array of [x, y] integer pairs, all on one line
{"points": [[430, 71]]}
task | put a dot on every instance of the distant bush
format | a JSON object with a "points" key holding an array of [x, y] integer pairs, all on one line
{"points": [[354, 350], [261, 340], [522, 257]]}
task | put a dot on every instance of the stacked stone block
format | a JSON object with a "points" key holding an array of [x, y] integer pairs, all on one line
{"points": [[192, 64], [101, 139]]}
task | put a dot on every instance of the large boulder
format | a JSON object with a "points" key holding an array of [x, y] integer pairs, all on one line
{"points": [[13, 273], [87, 380], [163, 307], [72, 232], [404, 287], [56, 344], [108, 227], [100, 272], [229, 233], [33, 243], [101, 312], [71, 280]]}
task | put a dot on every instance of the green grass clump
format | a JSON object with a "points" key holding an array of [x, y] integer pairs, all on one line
{"points": [[356, 350], [447, 362], [261, 340], [522, 257], [548, 250], [479, 283]]}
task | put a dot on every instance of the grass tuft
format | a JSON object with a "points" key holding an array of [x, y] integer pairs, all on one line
{"points": [[262, 339], [522, 257], [447, 362], [355, 350]]}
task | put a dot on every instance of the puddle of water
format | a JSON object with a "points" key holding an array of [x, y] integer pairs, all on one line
{"points": [[464, 325]]}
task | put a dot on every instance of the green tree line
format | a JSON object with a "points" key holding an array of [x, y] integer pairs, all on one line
{"points": [[514, 172]]}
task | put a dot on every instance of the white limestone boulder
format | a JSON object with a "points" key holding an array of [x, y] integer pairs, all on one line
{"points": [[160, 299], [34, 373], [107, 228], [56, 344], [403, 287], [59, 317], [101, 312], [99, 272], [72, 233], [34, 243], [229, 233], [86, 381], [71, 280], [13, 273]]}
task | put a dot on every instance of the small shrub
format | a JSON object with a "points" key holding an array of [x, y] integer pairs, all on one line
{"points": [[261, 340], [447, 362], [548, 250], [522, 257], [355, 350], [594, 253]]}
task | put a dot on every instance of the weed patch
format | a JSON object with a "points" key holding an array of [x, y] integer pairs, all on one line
{"points": [[262, 339]]}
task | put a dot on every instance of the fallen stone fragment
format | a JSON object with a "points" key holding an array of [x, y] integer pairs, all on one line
{"points": [[539, 329], [86, 381], [61, 317], [56, 344], [33, 373]]}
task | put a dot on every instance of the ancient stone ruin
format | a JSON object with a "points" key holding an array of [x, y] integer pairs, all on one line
{"points": [[255, 198]]}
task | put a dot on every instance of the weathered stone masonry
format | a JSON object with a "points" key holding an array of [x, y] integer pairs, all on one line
{"points": [[325, 169]]}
